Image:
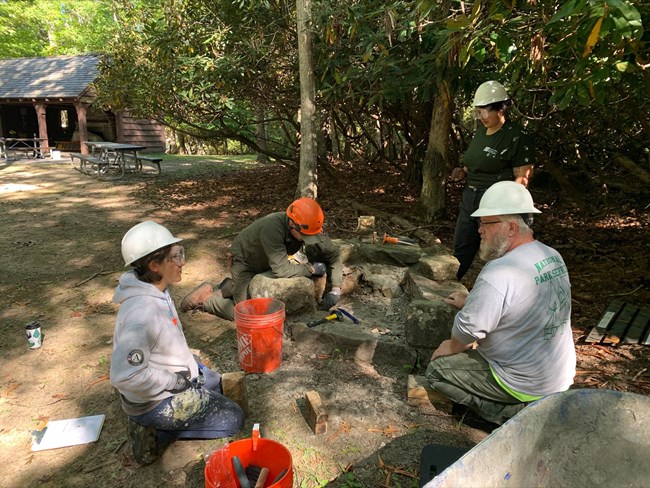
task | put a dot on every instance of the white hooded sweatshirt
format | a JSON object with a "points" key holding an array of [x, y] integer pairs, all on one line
{"points": [[149, 346]]}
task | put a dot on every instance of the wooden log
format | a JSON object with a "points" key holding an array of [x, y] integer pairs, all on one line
{"points": [[233, 386], [316, 413]]}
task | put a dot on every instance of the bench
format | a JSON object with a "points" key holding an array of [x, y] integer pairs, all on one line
{"points": [[90, 165], [33, 152], [147, 166], [149, 161]]}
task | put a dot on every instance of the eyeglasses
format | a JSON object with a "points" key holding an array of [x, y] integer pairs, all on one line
{"points": [[482, 113], [178, 258], [481, 223]]}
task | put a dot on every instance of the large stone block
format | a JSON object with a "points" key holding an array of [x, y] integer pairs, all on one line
{"points": [[351, 277], [298, 294], [384, 279], [393, 255], [428, 323], [423, 288], [439, 267], [348, 250]]}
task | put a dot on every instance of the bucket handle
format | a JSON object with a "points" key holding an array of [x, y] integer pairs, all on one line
{"points": [[255, 435]]}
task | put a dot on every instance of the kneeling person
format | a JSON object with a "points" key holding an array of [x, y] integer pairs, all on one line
{"points": [[164, 390], [265, 245]]}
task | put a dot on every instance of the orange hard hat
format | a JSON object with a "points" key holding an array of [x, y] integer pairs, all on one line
{"points": [[307, 215]]}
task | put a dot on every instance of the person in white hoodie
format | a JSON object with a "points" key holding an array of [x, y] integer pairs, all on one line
{"points": [[166, 392]]}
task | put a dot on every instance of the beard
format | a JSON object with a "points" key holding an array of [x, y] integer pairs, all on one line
{"points": [[496, 249]]}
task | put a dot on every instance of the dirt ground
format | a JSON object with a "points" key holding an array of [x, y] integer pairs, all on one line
{"points": [[60, 256]]}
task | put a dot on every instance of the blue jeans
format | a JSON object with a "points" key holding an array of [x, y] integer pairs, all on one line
{"points": [[200, 412]]}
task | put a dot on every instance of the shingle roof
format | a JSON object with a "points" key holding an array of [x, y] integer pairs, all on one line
{"points": [[53, 77]]}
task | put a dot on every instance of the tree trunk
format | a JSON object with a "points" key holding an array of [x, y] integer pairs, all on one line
{"points": [[431, 204], [307, 178]]}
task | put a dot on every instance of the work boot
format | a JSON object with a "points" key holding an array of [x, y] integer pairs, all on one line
{"points": [[143, 443], [227, 287], [194, 299]]}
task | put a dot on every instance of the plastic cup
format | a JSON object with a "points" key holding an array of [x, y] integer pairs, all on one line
{"points": [[34, 336]]}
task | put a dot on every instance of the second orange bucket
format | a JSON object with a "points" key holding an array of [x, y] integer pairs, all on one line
{"points": [[260, 328]]}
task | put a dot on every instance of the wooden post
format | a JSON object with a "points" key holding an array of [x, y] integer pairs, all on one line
{"points": [[119, 126], [42, 127], [82, 126]]}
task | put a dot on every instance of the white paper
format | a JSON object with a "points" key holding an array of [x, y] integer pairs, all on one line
{"points": [[69, 432]]}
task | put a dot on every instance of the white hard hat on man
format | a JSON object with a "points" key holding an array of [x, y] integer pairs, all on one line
{"points": [[506, 198]]}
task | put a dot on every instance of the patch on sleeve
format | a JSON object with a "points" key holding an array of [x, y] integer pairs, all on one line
{"points": [[135, 357]]}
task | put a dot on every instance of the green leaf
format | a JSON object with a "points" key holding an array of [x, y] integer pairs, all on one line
{"points": [[567, 97], [479, 51], [457, 23], [624, 66], [567, 10]]}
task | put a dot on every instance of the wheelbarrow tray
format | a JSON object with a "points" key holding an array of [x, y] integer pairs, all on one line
{"points": [[575, 438]]}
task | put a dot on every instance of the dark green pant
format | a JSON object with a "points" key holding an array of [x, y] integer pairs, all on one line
{"points": [[225, 307], [466, 378]]}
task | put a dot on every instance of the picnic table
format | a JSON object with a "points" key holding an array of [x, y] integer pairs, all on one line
{"points": [[29, 145], [111, 160]]}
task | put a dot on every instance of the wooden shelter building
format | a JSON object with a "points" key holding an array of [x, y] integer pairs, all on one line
{"points": [[52, 98]]}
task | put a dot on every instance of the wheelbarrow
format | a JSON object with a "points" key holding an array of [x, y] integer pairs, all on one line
{"points": [[574, 438]]}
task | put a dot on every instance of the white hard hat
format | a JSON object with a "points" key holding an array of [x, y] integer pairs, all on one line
{"points": [[505, 198], [490, 92], [144, 238]]}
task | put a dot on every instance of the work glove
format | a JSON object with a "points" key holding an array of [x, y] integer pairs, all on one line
{"points": [[182, 382], [331, 299], [319, 269]]}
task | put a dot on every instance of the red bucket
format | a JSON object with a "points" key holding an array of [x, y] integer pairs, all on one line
{"points": [[260, 328], [219, 471]]}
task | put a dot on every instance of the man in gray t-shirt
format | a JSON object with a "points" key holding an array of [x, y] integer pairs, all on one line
{"points": [[518, 314]]}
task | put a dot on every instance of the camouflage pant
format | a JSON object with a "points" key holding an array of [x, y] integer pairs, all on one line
{"points": [[466, 378], [197, 413]]}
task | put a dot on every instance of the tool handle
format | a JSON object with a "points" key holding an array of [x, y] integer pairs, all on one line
{"points": [[390, 240], [349, 315], [314, 323], [279, 477], [262, 479], [240, 472]]}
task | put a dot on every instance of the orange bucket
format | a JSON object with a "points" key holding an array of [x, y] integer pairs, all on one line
{"points": [[219, 471], [260, 327]]}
